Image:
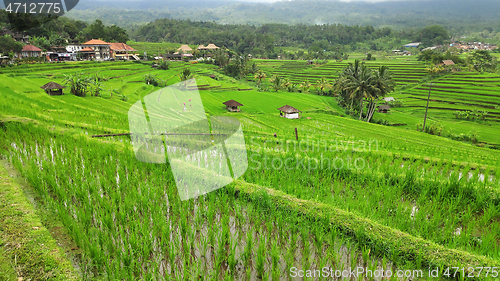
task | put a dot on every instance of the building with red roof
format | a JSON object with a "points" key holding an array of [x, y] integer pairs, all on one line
{"points": [[30, 51], [100, 49], [122, 51]]}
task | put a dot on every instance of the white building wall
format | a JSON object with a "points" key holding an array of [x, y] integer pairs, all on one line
{"points": [[292, 115]]}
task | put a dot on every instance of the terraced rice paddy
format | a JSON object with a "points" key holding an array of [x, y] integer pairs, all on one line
{"points": [[299, 71], [348, 194], [460, 91]]}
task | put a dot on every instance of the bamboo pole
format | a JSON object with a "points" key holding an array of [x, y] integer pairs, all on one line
{"points": [[427, 107], [163, 134]]}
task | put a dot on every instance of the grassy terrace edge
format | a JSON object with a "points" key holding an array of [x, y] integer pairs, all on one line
{"points": [[372, 234], [27, 248]]}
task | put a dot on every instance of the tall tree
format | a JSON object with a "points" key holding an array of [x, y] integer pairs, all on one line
{"points": [[384, 85], [357, 83]]}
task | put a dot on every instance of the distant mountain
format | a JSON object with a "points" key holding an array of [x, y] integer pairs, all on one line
{"points": [[454, 14]]}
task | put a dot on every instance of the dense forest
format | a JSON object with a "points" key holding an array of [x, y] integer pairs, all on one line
{"points": [[329, 40]]}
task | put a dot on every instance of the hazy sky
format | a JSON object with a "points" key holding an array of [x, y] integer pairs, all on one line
{"points": [[269, 1]]}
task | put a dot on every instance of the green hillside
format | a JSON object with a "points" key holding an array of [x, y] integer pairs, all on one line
{"points": [[349, 194]]}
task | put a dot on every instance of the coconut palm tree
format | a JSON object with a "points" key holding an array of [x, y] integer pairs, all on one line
{"points": [[305, 86], [323, 86], [260, 75], [185, 74], [358, 83], [384, 85], [276, 82], [361, 85]]}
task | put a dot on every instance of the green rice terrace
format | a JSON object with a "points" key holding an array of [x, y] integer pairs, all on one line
{"points": [[347, 195]]}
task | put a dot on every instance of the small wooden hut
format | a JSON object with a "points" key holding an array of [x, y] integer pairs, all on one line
{"points": [[383, 108], [289, 112], [232, 105], [447, 63], [53, 89]]}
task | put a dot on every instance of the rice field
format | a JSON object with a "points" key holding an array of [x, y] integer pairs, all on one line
{"points": [[346, 195], [404, 73]]}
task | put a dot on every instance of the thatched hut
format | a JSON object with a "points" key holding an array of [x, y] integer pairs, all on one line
{"points": [[185, 49], [289, 112], [211, 47], [53, 89], [232, 105], [383, 108]]}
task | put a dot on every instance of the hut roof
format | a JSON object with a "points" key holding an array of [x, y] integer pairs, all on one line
{"points": [[121, 47], [232, 103], [52, 86], [201, 47], [384, 107], [6, 31], [211, 46], [289, 109], [86, 49], [31, 48], [448, 62], [95, 42], [185, 48], [413, 45]]}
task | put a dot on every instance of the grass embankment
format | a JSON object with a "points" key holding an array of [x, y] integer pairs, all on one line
{"points": [[382, 239], [27, 249]]}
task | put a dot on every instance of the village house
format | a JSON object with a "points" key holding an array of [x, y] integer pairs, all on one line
{"points": [[30, 51], [97, 49], [123, 51], [74, 48]]}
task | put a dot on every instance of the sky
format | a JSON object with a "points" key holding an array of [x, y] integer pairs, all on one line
{"points": [[272, 1]]}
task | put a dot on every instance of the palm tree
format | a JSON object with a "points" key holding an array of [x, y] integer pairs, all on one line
{"points": [[287, 84], [306, 86], [260, 75], [185, 74], [276, 82], [323, 85], [360, 84], [254, 68], [384, 85]]}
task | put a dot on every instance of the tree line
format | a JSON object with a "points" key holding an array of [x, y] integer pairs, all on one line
{"points": [[262, 40]]}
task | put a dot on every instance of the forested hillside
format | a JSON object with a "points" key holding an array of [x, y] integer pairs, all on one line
{"points": [[460, 16]]}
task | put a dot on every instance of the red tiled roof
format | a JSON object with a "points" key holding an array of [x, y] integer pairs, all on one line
{"points": [[121, 47], [87, 49], [31, 48], [95, 42]]}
